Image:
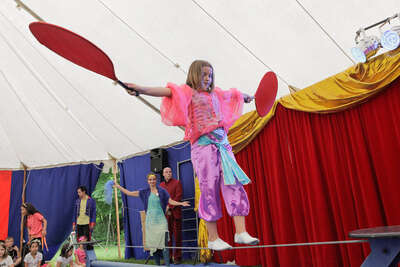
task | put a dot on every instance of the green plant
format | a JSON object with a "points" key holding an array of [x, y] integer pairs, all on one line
{"points": [[106, 226]]}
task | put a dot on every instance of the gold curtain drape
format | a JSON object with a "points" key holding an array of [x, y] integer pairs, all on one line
{"points": [[202, 239], [336, 93]]}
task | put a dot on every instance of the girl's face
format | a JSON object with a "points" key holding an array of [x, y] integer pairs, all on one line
{"points": [[9, 243], [206, 78], [23, 210], [2, 251], [34, 248], [69, 254], [152, 180]]}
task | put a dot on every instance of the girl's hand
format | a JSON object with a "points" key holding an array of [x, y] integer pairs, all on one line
{"points": [[134, 87], [44, 232], [247, 98], [185, 204]]}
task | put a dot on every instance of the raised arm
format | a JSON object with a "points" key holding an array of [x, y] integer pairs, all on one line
{"points": [[127, 192], [247, 98], [152, 91], [44, 230]]}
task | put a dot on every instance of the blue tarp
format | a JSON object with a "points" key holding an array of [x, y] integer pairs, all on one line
{"points": [[53, 192]]}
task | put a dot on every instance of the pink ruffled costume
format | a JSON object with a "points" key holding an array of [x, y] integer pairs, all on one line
{"points": [[208, 115]]}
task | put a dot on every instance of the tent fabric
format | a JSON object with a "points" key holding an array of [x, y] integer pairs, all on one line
{"points": [[339, 92], [52, 192], [316, 177], [72, 115], [5, 190], [133, 177]]}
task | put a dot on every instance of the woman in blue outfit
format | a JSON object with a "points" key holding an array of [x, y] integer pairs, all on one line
{"points": [[155, 200]]}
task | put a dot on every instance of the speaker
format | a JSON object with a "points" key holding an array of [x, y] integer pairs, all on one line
{"points": [[158, 159]]}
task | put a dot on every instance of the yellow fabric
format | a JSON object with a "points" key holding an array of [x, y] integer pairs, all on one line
{"points": [[143, 221], [83, 218], [336, 93], [202, 239]]}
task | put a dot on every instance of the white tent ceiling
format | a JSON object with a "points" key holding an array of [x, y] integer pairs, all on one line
{"points": [[53, 112]]}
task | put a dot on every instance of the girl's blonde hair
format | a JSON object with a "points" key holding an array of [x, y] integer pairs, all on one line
{"points": [[194, 76]]}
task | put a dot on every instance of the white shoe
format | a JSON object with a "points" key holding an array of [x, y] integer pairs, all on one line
{"points": [[245, 238], [218, 245]]}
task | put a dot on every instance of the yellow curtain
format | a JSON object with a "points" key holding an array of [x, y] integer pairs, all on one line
{"points": [[336, 93], [202, 239]]}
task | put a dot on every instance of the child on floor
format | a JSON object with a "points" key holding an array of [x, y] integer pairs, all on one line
{"points": [[34, 257], [5, 259], [12, 250], [65, 258], [80, 254]]}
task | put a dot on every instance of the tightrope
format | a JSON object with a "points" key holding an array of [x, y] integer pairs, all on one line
{"points": [[267, 246]]}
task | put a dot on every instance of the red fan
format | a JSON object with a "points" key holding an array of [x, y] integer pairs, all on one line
{"points": [[266, 93], [76, 49]]}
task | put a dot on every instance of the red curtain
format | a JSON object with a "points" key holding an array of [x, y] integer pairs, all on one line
{"points": [[317, 177]]}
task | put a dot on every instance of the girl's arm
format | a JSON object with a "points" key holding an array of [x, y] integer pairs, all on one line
{"points": [[247, 98], [44, 232], [127, 192], [17, 261], [26, 264], [152, 91], [58, 264], [77, 262], [177, 203], [71, 263], [38, 264]]}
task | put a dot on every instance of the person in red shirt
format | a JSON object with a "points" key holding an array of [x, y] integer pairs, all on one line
{"points": [[174, 213]]}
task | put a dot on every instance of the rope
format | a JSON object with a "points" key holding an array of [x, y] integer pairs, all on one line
{"points": [[269, 246]]}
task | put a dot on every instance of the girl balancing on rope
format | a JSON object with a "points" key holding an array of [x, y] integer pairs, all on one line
{"points": [[155, 200], [207, 113]]}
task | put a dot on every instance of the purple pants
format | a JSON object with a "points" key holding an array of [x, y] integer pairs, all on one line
{"points": [[206, 162]]}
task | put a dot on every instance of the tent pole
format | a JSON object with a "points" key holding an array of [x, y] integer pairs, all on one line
{"points": [[116, 208], [21, 238]]}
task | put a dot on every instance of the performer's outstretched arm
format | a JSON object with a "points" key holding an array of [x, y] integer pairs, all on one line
{"points": [[177, 203], [127, 192], [152, 91]]}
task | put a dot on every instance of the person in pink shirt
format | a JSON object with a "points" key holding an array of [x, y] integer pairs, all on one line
{"points": [[80, 254], [207, 113], [35, 223]]}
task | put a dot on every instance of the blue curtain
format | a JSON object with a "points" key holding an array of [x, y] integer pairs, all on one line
{"points": [[52, 192], [133, 177], [14, 221]]}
